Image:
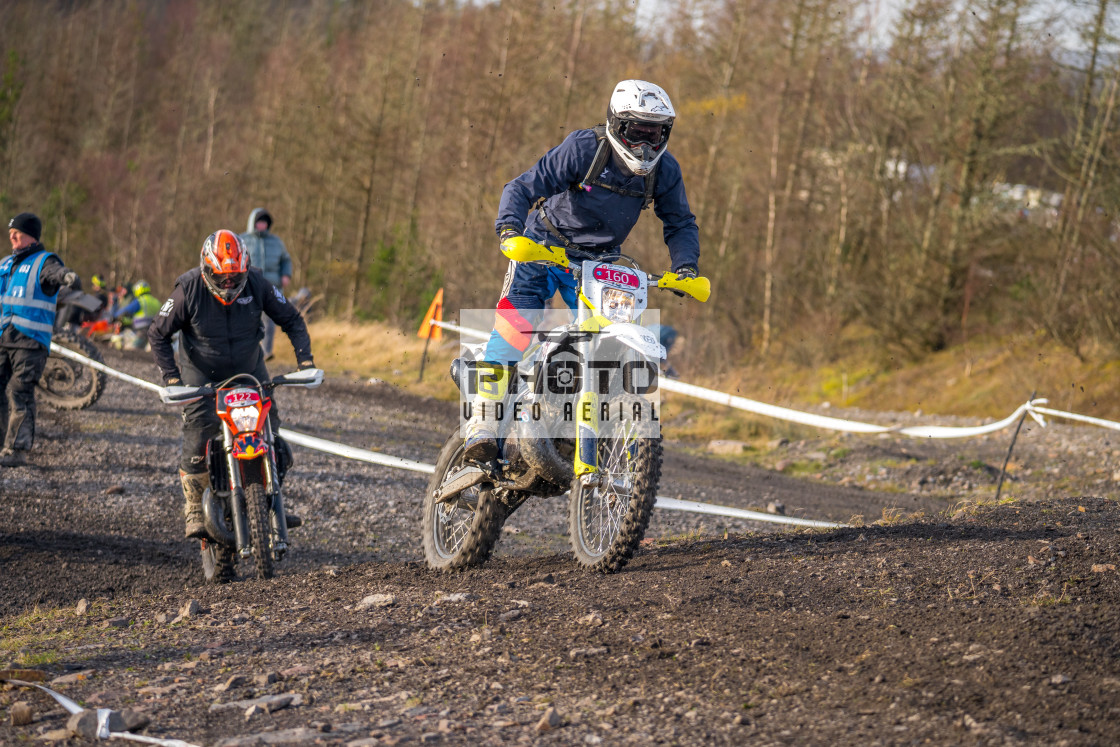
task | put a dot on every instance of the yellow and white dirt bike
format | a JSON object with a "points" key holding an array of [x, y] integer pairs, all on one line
{"points": [[576, 416]]}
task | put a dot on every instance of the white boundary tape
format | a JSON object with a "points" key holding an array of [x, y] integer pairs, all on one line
{"points": [[351, 452], [67, 353], [102, 718], [672, 504], [465, 331], [1037, 411], [1031, 407], [386, 460], [838, 424]]}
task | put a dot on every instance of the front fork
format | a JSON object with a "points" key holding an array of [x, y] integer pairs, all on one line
{"points": [[277, 516], [587, 424], [236, 495]]}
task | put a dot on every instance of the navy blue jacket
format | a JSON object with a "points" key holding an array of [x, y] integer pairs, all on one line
{"points": [[599, 219]]}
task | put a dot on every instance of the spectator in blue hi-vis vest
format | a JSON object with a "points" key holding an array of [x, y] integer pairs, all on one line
{"points": [[29, 281]]}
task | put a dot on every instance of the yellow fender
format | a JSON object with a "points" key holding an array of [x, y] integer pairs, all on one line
{"points": [[596, 323], [699, 288], [587, 431], [524, 249]]}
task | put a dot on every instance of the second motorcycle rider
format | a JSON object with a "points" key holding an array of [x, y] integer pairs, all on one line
{"points": [[217, 310], [586, 193]]}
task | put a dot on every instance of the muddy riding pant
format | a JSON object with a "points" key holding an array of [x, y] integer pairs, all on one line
{"points": [[20, 369]]}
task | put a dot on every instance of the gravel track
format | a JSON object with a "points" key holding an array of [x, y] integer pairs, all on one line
{"points": [[985, 625]]}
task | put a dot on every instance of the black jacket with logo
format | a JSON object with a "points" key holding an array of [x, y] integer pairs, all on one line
{"points": [[218, 341]]}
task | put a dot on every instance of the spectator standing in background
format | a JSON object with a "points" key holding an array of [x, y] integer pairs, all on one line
{"points": [[268, 254]]}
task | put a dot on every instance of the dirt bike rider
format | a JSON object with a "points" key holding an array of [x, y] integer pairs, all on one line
{"points": [[217, 309], [585, 193]]}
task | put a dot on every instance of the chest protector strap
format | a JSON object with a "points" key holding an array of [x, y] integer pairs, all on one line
{"points": [[551, 227], [591, 179], [602, 155]]}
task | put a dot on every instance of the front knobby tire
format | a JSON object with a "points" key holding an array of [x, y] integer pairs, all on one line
{"points": [[218, 562], [606, 524], [460, 533], [66, 384], [257, 507]]}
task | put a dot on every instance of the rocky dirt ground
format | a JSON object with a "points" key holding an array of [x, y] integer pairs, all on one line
{"points": [[937, 617]]}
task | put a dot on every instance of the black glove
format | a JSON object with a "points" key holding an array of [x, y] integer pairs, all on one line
{"points": [[685, 273], [508, 232], [72, 280], [303, 365]]}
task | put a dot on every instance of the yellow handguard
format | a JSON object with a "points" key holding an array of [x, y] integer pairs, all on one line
{"points": [[699, 288], [524, 249]]}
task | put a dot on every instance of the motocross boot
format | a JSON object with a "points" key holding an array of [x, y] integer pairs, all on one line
{"points": [[481, 432], [13, 458], [193, 488], [481, 443]]}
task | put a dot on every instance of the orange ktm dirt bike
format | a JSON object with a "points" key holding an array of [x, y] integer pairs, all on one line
{"points": [[577, 415], [244, 506]]}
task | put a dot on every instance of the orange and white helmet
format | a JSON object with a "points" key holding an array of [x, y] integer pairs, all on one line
{"points": [[225, 265]]}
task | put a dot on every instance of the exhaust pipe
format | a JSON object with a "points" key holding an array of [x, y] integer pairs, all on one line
{"points": [[213, 516]]}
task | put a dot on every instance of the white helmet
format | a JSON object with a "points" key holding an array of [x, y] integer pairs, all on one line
{"points": [[639, 119]]}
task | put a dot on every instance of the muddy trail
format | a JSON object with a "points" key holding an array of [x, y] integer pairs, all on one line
{"points": [[930, 620]]}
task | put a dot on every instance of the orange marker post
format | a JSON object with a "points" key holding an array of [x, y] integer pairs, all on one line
{"points": [[431, 331]]}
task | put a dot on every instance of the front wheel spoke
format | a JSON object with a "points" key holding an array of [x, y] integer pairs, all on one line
{"points": [[604, 518], [614, 517], [605, 508], [454, 525]]}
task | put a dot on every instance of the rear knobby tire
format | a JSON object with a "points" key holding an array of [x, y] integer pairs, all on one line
{"points": [[607, 524], [462, 532], [218, 562], [260, 528], [66, 384]]}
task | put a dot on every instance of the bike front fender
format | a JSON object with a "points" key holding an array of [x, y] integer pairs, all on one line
{"points": [[636, 337]]}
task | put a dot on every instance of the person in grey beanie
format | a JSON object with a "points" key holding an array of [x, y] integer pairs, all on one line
{"points": [[268, 254], [30, 278]]}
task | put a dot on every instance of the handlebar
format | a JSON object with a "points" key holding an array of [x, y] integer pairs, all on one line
{"points": [[309, 378], [524, 249]]}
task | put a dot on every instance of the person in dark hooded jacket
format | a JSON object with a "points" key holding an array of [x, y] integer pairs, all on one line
{"points": [[267, 253], [30, 278]]}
